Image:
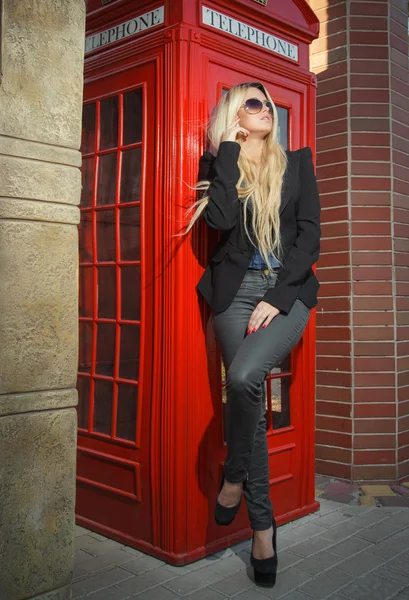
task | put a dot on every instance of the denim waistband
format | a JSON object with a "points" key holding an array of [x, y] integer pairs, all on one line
{"points": [[265, 271]]}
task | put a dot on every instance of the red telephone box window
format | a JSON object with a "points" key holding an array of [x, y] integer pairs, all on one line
{"points": [[110, 264]]}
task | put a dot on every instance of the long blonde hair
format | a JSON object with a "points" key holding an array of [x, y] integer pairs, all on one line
{"points": [[260, 192]]}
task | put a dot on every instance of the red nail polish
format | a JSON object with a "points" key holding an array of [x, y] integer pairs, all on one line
{"points": [[264, 326]]}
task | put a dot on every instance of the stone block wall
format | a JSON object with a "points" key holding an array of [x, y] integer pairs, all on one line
{"points": [[40, 126]]}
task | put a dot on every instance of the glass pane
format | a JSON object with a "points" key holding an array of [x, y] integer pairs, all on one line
{"points": [[86, 292], [85, 237], [106, 179], [133, 117], [131, 175], [129, 352], [127, 409], [131, 293], [83, 387], [224, 399], [283, 126], [105, 349], [105, 235], [85, 347], [280, 402], [87, 173], [88, 129], [130, 233], [108, 123], [103, 406], [107, 292]]}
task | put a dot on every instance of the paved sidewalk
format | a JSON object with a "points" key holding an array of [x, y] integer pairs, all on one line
{"points": [[343, 552]]}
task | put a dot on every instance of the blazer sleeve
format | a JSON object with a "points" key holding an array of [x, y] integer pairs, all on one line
{"points": [[305, 251], [222, 210]]}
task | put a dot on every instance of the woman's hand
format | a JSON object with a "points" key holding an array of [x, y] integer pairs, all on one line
{"points": [[264, 313], [233, 130]]}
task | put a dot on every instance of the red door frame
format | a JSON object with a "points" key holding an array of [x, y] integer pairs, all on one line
{"points": [[112, 471]]}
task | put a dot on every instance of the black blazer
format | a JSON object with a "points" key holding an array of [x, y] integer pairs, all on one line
{"points": [[299, 230]]}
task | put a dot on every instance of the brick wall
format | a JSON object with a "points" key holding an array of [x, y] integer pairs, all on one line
{"points": [[361, 62], [399, 97]]}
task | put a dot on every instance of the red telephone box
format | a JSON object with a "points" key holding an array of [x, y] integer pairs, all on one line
{"points": [[150, 381]]}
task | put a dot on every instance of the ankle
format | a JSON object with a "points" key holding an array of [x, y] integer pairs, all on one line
{"points": [[232, 486], [264, 534]]}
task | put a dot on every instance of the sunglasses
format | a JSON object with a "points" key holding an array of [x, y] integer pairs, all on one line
{"points": [[254, 106]]}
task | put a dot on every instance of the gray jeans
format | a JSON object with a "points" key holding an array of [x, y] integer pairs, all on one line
{"points": [[248, 358]]}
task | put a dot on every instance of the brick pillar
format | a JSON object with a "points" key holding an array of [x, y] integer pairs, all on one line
{"points": [[361, 62]]}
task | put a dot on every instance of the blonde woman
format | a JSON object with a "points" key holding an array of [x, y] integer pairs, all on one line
{"points": [[259, 284]]}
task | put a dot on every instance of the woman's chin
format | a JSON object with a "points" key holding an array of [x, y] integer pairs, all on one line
{"points": [[260, 131]]}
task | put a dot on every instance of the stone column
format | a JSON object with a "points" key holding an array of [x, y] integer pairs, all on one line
{"points": [[361, 62], [42, 51]]}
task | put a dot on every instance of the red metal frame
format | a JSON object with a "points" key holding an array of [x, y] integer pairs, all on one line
{"points": [[130, 457], [158, 494]]}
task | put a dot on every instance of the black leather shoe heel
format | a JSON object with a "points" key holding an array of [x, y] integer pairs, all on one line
{"points": [[224, 515], [265, 570]]}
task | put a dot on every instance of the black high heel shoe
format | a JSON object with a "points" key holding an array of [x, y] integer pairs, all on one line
{"points": [[224, 515], [265, 570]]}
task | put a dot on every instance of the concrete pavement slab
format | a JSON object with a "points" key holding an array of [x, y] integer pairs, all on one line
{"points": [[350, 546], [94, 564], [391, 570], [403, 595], [140, 565], [99, 581], [310, 547], [151, 579], [156, 593], [297, 596], [111, 593], [234, 584], [389, 548], [287, 559], [332, 518], [204, 594], [366, 519], [326, 584], [342, 553], [360, 564], [377, 532], [316, 564], [342, 531], [185, 584], [372, 587], [232, 564]]}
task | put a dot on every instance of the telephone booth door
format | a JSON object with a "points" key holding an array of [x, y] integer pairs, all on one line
{"points": [[116, 263]]}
